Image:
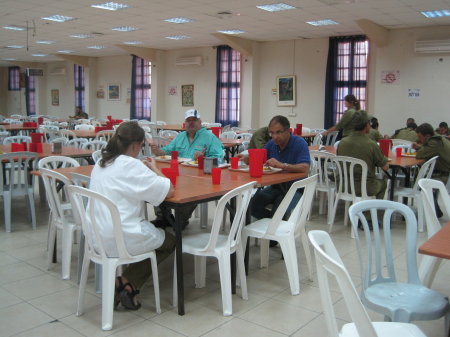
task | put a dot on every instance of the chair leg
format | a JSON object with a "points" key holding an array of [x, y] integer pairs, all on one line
{"points": [[7, 210], [108, 287], [264, 253], [225, 283], [333, 214], [200, 271], [83, 281], [347, 206], [241, 271], [305, 245], [290, 258], [156, 283], [174, 283], [51, 244], [428, 269], [66, 254], [420, 214]]}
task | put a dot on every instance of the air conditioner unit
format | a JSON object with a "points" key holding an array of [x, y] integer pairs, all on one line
{"points": [[189, 61], [432, 46], [58, 71], [35, 72]]}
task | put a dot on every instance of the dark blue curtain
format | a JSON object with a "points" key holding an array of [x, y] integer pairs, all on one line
{"points": [[13, 78], [346, 73], [79, 86], [140, 107], [30, 95], [228, 73]]}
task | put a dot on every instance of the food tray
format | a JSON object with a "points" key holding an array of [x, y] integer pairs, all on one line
{"points": [[266, 169], [193, 163]]}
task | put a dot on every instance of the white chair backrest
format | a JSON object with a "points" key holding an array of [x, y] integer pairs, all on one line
{"points": [[95, 145], [84, 121], [236, 128], [331, 138], [344, 173], [69, 134], [228, 135], [160, 141], [317, 141], [16, 139], [323, 168], [426, 170], [428, 188], [396, 142], [168, 133], [105, 135], [12, 121], [245, 136], [49, 127], [306, 130], [61, 140], [318, 130], [85, 127], [336, 144], [77, 142], [15, 171], [80, 179], [161, 123], [328, 262], [299, 214], [63, 124], [97, 155], [54, 162]]}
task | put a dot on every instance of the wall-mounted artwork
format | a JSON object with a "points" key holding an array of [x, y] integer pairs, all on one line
{"points": [[286, 90], [187, 95], [54, 93], [113, 92], [100, 94]]}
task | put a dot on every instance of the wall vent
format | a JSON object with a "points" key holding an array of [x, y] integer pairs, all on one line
{"points": [[432, 46], [189, 61]]}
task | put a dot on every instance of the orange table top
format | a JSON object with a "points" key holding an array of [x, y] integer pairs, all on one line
{"points": [[85, 133], [47, 151], [19, 127], [439, 244]]}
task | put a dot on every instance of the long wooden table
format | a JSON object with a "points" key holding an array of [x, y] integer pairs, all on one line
{"points": [[439, 244], [204, 191], [47, 151]]}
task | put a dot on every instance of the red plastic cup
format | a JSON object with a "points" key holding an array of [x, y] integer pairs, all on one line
{"points": [[37, 137], [299, 129], [385, 145], [234, 162], [175, 155], [174, 166], [32, 147], [200, 161], [40, 120], [25, 147], [16, 147], [39, 148], [215, 174], [170, 173], [255, 163], [109, 117], [398, 151], [216, 131]]}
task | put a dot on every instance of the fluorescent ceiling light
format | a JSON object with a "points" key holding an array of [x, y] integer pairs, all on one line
{"points": [[133, 42], [44, 42], [178, 37], [231, 31], [81, 36], [96, 47], [179, 20], [124, 29], [15, 46], [111, 6], [276, 7], [8, 59], [58, 18], [14, 27], [38, 54], [436, 14], [65, 51], [322, 22]]}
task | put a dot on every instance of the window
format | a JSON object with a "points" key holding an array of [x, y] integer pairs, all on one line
{"points": [[228, 86], [79, 86], [347, 71], [30, 95], [141, 79], [13, 78]]}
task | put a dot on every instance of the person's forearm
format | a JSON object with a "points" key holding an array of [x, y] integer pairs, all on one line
{"points": [[296, 168], [333, 128], [157, 151]]}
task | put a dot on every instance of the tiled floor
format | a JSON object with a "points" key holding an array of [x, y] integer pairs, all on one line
{"points": [[35, 301]]}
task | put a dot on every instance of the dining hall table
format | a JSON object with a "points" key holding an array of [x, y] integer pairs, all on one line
{"points": [[15, 128], [204, 191]]}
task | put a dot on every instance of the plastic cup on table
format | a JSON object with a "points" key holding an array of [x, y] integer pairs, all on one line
{"points": [[40, 120], [216, 131], [25, 147], [170, 173], [255, 163], [385, 145], [174, 155], [215, 175], [32, 147], [398, 151], [299, 129], [16, 147], [200, 161], [36, 137], [174, 166], [234, 162], [39, 148]]}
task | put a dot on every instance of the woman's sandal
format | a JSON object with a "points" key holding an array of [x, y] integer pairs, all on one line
{"points": [[127, 298]]}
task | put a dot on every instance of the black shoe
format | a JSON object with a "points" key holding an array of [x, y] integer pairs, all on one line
{"points": [[160, 223], [273, 243]]}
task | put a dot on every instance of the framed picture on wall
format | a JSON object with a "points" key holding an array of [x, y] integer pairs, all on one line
{"points": [[286, 90], [113, 92], [100, 94], [187, 95], [54, 93]]}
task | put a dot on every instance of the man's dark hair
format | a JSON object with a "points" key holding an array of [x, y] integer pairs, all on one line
{"points": [[425, 129], [412, 125], [374, 123], [283, 121], [443, 125], [410, 120]]}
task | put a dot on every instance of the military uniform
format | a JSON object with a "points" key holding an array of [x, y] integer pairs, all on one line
{"points": [[374, 134], [437, 146], [358, 145], [259, 138], [346, 122], [406, 134]]}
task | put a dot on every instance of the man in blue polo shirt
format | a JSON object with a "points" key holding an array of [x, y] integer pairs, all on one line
{"points": [[284, 151]]}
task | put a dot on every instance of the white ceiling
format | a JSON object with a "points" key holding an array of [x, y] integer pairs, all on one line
{"points": [[148, 16]]}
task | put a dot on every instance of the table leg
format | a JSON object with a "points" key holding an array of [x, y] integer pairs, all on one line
{"points": [[179, 259], [393, 176], [203, 215]]}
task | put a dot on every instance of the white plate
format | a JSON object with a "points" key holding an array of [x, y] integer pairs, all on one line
{"points": [[167, 158], [266, 170], [194, 163]]}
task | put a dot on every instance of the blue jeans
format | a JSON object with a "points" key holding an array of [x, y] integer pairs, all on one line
{"points": [[271, 195]]}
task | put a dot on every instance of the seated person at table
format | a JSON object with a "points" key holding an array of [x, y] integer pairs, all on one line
{"points": [[130, 183], [284, 151], [374, 134], [346, 124], [408, 133], [443, 129], [431, 145], [358, 145], [192, 143], [80, 114], [259, 138], [408, 121]]}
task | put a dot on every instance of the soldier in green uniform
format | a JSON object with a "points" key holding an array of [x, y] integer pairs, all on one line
{"points": [[408, 133], [431, 145], [346, 122], [374, 134], [358, 145], [259, 138]]}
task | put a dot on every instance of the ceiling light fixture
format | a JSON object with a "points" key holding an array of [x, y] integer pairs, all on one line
{"points": [[111, 6], [322, 22], [179, 20], [39, 55], [436, 14], [8, 59], [96, 47], [276, 7], [15, 46], [231, 31], [65, 51], [178, 37], [14, 27], [44, 42], [124, 29], [81, 36], [58, 18], [133, 42]]}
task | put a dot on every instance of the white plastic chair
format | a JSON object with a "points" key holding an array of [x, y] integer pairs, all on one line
{"points": [[96, 253], [396, 142], [336, 144], [286, 231], [413, 193], [317, 141], [105, 135], [54, 162], [329, 264], [16, 139], [77, 142], [306, 130], [344, 168], [245, 136], [94, 145], [161, 123], [60, 219], [221, 246], [86, 127], [331, 138], [380, 290], [168, 133], [61, 140], [228, 135], [16, 181], [69, 134], [97, 155], [318, 130], [429, 265]]}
